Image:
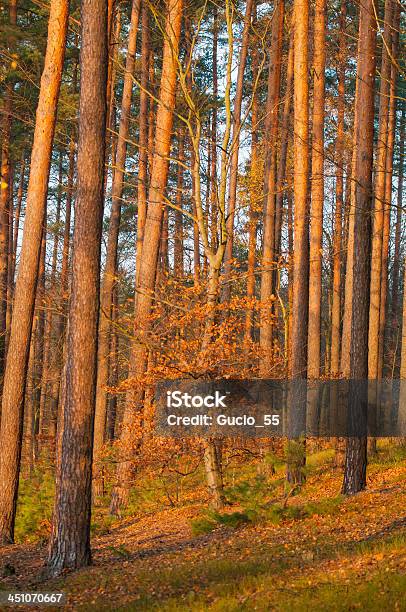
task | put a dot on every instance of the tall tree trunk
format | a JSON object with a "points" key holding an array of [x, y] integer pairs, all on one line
{"points": [[232, 195], [337, 241], [148, 264], [378, 223], [143, 135], [317, 190], [20, 335], [347, 318], [5, 198], [253, 204], [109, 277], [300, 186], [388, 190], [178, 237], [301, 233], [356, 452], [70, 538], [271, 134], [44, 420], [396, 255], [282, 165]]}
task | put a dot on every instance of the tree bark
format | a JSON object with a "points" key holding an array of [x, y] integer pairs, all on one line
{"points": [[300, 296], [70, 537], [356, 452], [337, 241], [317, 190], [271, 134], [109, 277], [16, 367], [149, 258], [232, 196], [143, 135], [379, 207]]}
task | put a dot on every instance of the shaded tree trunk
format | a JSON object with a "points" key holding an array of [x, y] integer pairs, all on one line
{"points": [[356, 452]]}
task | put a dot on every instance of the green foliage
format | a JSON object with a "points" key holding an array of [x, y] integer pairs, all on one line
{"points": [[35, 505]]}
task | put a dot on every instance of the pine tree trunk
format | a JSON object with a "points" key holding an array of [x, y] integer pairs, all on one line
{"points": [[300, 296], [178, 227], [70, 537], [337, 242], [356, 453], [317, 190], [20, 335], [149, 259], [379, 208], [271, 133], [232, 194], [109, 277], [143, 135], [396, 255]]}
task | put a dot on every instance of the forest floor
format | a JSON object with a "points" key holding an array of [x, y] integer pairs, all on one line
{"points": [[330, 553]]}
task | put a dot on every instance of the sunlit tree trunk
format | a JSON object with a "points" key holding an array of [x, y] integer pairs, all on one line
{"points": [[178, 229], [253, 205], [337, 240], [70, 537], [232, 194], [317, 190], [143, 135], [379, 206], [298, 365], [20, 335], [110, 270], [396, 255], [148, 264], [270, 139]]}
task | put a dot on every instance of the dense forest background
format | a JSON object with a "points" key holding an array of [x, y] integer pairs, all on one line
{"points": [[189, 190]]}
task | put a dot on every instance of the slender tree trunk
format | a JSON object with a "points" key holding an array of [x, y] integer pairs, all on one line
{"points": [[337, 241], [253, 205], [17, 214], [70, 538], [271, 133], [213, 134], [282, 165], [15, 372], [396, 256], [143, 135], [5, 198], [44, 420], [110, 270], [379, 208], [148, 264], [317, 190], [301, 180], [388, 191], [356, 453], [178, 238], [232, 195], [301, 232]]}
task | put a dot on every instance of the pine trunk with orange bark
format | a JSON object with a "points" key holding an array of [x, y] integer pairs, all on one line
{"points": [[70, 537]]}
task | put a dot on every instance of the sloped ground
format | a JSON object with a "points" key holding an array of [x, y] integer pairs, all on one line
{"points": [[352, 556]]}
